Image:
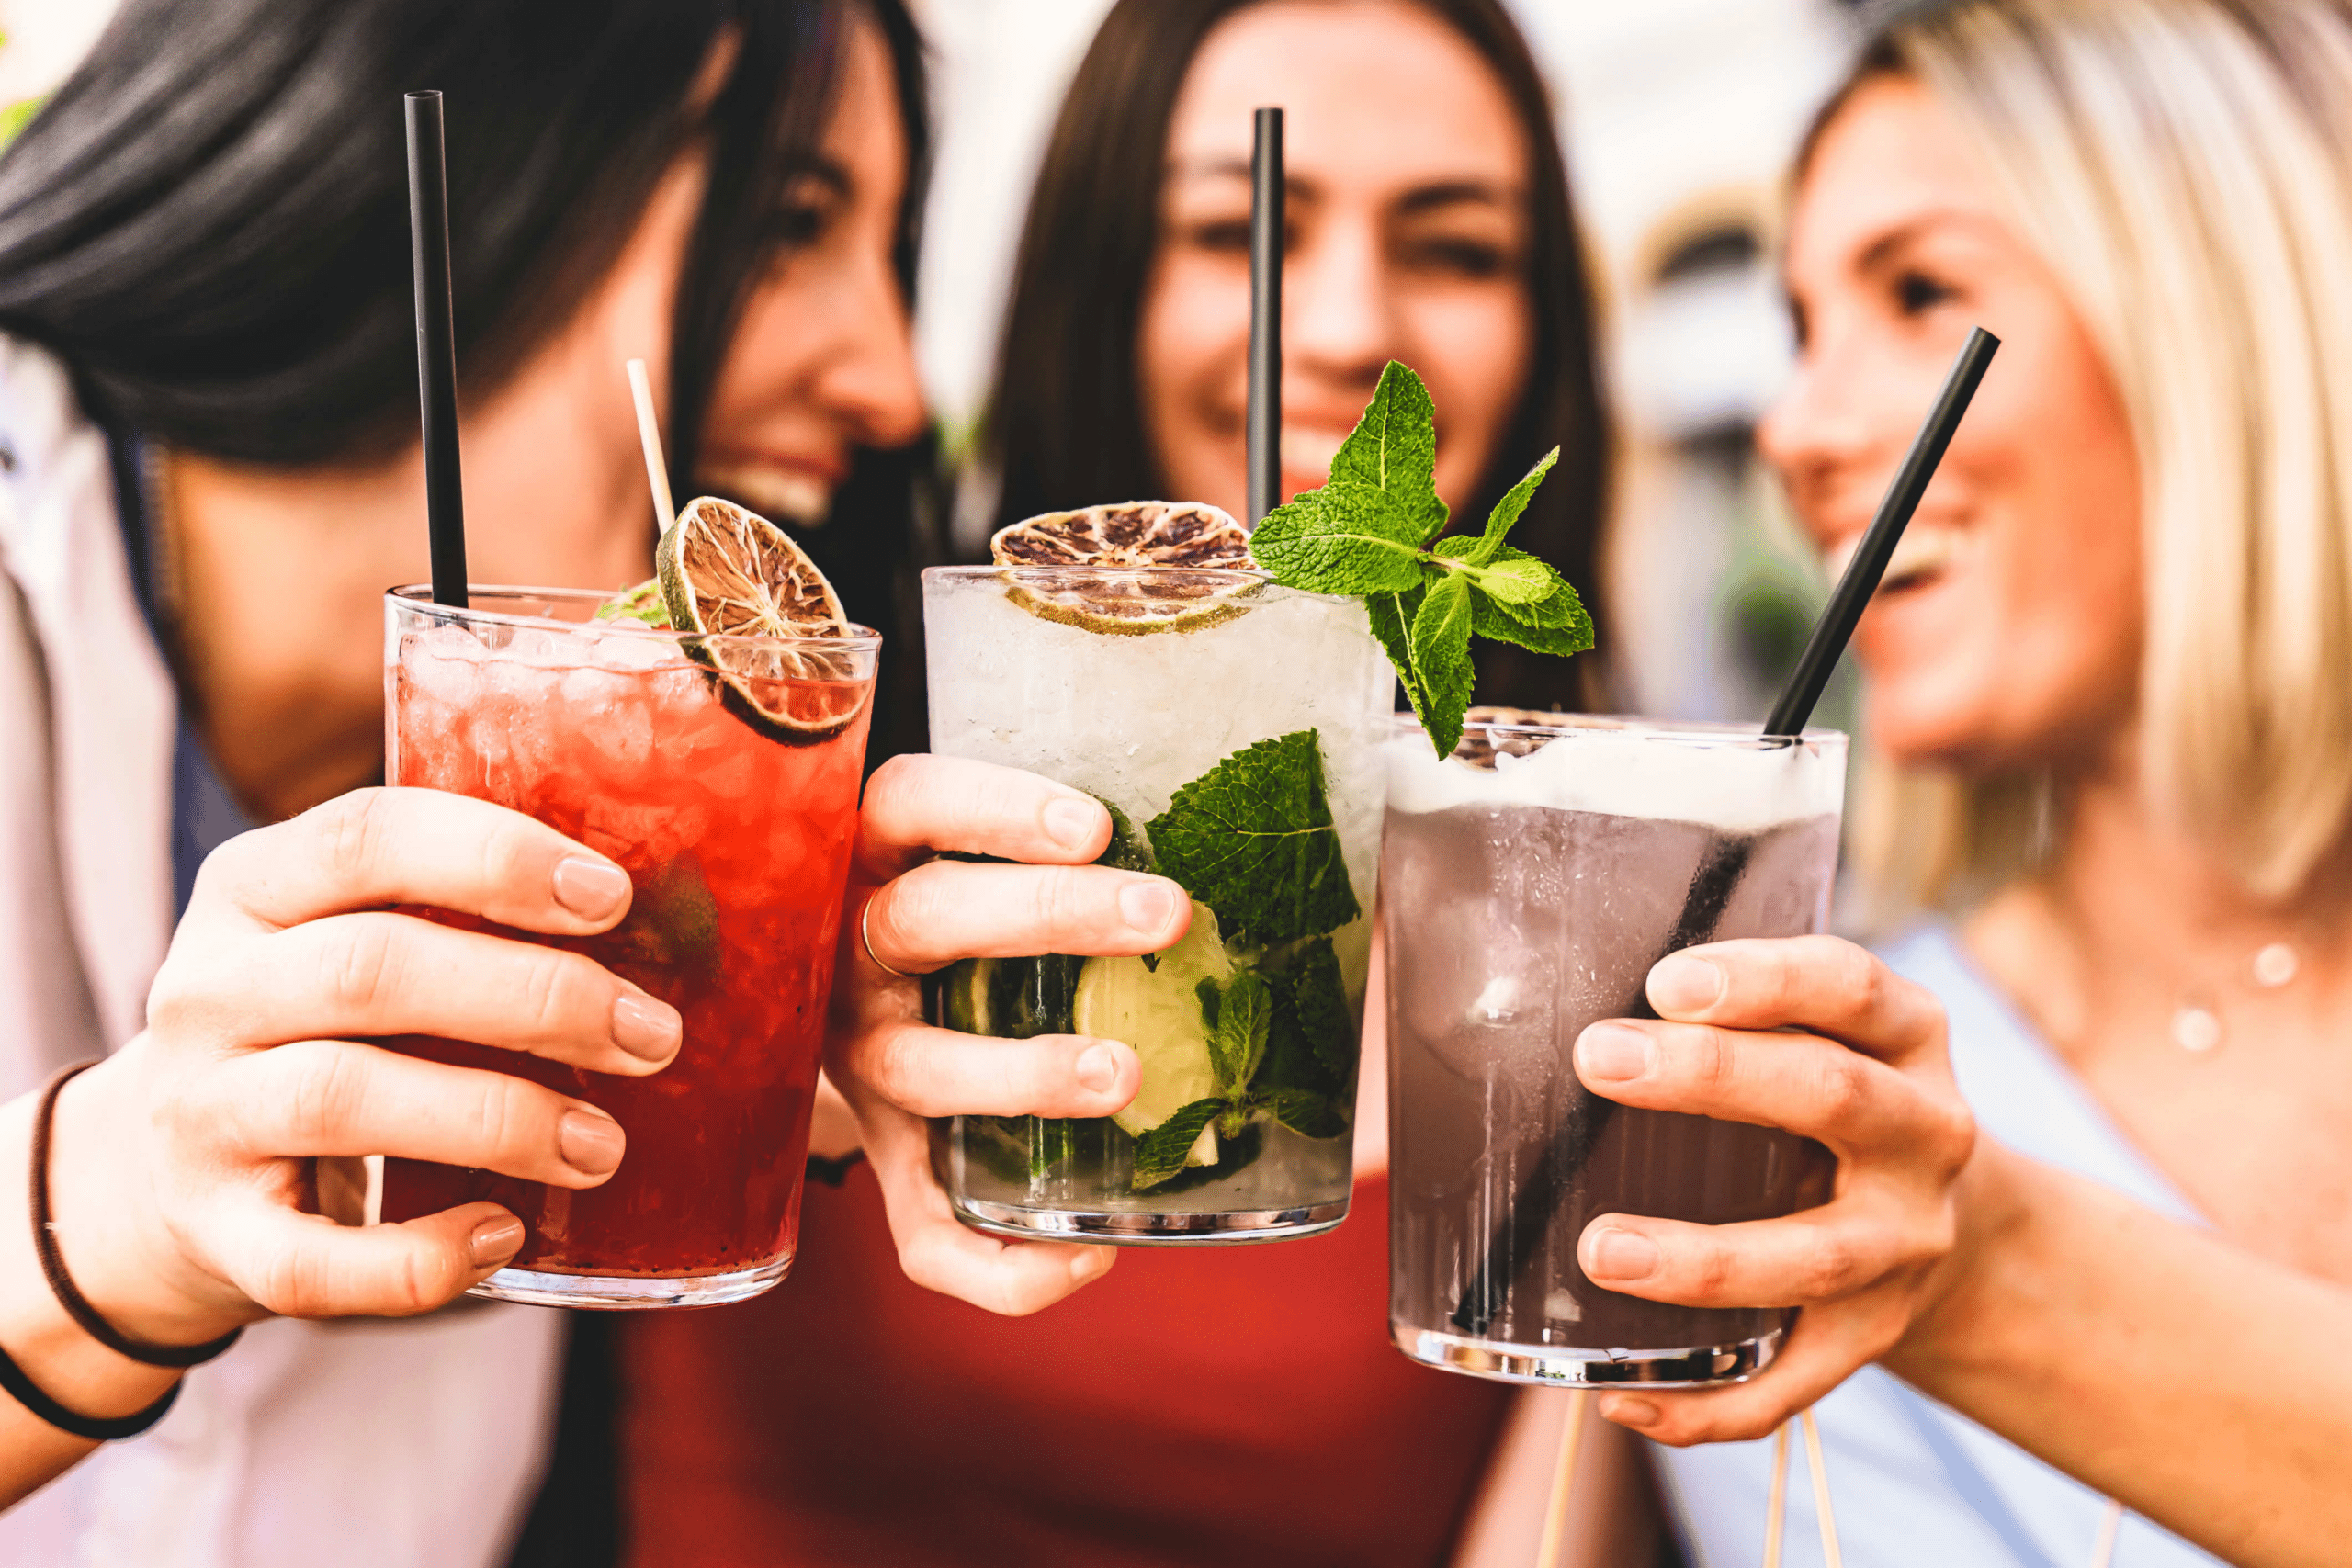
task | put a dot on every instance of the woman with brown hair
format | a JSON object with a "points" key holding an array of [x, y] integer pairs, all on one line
{"points": [[1194, 1406]]}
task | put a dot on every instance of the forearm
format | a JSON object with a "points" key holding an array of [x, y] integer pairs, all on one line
{"points": [[2196, 1383], [64, 1362]]}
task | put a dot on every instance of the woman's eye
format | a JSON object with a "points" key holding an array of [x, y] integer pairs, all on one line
{"points": [[796, 226], [1233, 235], [1457, 257], [1916, 293]]}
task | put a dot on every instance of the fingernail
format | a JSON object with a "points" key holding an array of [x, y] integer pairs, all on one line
{"points": [[1071, 823], [1147, 906], [590, 888], [1091, 1263], [1098, 1067], [590, 1142], [1628, 1412], [647, 1026], [1621, 1255], [1613, 1052], [494, 1241], [1679, 983]]}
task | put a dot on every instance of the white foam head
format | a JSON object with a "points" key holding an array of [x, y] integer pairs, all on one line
{"points": [[1722, 775]]}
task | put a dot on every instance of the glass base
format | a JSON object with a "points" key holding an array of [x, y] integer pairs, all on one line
{"points": [[1696, 1367], [630, 1292], [1133, 1228]]}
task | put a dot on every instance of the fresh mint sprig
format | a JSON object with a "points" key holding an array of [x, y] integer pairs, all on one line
{"points": [[1373, 530]]}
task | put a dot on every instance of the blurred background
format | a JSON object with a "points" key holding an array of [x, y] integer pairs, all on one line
{"points": [[1679, 117]]}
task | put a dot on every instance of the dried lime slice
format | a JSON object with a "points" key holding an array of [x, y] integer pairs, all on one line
{"points": [[1191, 547], [734, 575]]}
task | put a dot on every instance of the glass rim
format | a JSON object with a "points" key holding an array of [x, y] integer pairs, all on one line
{"points": [[1235, 577], [1685, 732], [417, 597]]}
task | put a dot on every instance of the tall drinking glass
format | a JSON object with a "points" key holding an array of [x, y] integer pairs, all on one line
{"points": [[736, 830], [1235, 728], [1532, 878]]}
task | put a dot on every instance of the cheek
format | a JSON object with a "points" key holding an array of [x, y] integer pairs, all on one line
{"points": [[1192, 366], [1471, 345]]}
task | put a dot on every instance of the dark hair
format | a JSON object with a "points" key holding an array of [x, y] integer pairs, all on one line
{"points": [[209, 221], [1064, 425]]}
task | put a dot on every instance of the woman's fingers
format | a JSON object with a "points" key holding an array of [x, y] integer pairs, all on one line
{"points": [[951, 909], [380, 974], [1821, 1352], [937, 1072], [1809, 1086], [375, 847], [1813, 1256], [1822, 983], [915, 805], [332, 1097], [937, 1252], [303, 1265]]}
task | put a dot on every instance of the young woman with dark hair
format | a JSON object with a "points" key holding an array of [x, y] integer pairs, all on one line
{"points": [[206, 481], [1228, 1406]]}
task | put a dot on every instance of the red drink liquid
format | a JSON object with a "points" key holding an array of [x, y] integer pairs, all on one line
{"points": [[737, 844]]}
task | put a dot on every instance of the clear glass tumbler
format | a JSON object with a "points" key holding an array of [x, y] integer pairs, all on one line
{"points": [[736, 829], [1532, 879], [1234, 728]]}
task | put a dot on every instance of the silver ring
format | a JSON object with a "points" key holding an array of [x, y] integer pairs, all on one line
{"points": [[865, 940]]}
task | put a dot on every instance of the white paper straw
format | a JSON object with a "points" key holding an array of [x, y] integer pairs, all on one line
{"points": [[648, 433], [1555, 1517], [1821, 1492]]}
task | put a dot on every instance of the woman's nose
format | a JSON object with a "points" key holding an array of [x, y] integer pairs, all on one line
{"points": [[1336, 317], [1819, 426], [872, 386]]}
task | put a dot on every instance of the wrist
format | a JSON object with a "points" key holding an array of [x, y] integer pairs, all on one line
{"points": [[1992, 1211], [117, 1248]]}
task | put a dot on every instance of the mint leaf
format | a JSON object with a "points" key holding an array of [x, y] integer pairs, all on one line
{"points": [[1253, 838], [1441, 655], [1507, 510], [1238, 1042], [1557, 625], [1394, 448], [1307, 1113], [1319, 999], [1159, 1154], [1391, 615], [1344, 538]]}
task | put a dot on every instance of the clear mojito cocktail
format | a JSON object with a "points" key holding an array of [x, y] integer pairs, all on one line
{"points": [[732, 801], [1234, 727], [1532, 879]]}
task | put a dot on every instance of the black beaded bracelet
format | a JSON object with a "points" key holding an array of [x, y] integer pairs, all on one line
{"points": [[76, 1305], [97, 1429]]}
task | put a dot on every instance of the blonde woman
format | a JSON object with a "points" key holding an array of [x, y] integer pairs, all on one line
{"points": [[2114, 670]]}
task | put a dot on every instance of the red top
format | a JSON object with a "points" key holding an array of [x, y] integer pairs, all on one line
{"points": [[1226, 1405]]}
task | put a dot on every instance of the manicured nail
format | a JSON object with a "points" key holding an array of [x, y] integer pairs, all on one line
{"points": [[494, 1241], [1628, 1412], [1071, 823], [1616, 1254], [1147, 906], [1679, 983], [646, 1026], [1613, 1052], [590, 1142], [1098, 1067], [591, 889]]}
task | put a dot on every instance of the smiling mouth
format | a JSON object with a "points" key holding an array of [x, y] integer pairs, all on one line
{"points": [[1926, 552], [784, 494]]}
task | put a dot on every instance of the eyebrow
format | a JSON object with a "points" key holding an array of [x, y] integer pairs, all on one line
{"points": [[1420, 198], [825, 171], [1876, 253]]}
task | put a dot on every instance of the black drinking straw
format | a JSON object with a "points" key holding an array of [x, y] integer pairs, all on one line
{"points": [[436, 345], [1266, 224], [1726, 861]]}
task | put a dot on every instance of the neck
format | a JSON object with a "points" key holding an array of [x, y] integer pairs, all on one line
{"points": [[2136, 917]]}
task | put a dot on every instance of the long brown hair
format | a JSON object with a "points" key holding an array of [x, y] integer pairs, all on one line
{"points": [[1064, 425]]}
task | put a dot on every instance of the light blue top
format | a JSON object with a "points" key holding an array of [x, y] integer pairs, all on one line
{"points": [[1911, 1482]]}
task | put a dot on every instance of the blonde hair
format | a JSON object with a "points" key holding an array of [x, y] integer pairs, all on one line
{"points": [[2183, 166]]}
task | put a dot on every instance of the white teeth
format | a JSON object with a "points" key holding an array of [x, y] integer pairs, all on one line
{"points": [[778, 494], [1924, 548]]}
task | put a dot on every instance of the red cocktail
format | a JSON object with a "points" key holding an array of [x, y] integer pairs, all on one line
{"points": [[733, 807]]}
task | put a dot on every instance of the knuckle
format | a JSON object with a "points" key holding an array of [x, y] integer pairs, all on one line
{"points": [[501, 1113], [1842, 1087], [292, 1280], [348, 833], [1056, 900], [554, 989], [1826, 1265], [1711, 1269], [328, 1084], [357, 962], [1738, 1426], [1710, 1060]]}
